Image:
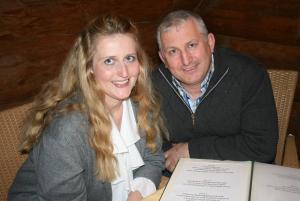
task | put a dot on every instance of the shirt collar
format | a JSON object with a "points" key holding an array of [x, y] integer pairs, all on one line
{"points": [[128, 133]]}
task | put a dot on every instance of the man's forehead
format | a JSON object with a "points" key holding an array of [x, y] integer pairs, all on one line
{"points": [[180, 31], [176, 24]]}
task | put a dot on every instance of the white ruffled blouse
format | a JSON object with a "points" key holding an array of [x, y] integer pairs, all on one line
{"points": [[128, 157]]}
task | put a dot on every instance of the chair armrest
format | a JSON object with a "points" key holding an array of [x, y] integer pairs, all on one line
{"points": [[290, 157], [157, 194], [163, 182]]}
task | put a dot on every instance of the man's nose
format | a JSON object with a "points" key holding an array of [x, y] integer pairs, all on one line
{"points": [[186, 57]]}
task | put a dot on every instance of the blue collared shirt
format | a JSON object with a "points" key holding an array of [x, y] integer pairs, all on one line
{"points": [[193, 104]]}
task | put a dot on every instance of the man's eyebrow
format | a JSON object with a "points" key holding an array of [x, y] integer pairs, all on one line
{"points": [[168, 48]]}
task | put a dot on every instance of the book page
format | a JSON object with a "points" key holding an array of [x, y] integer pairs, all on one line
{"points": [[209, 180], [275, 183]]}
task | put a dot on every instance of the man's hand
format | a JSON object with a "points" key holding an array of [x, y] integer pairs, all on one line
{"points": [[180, 150], [134, 196]]}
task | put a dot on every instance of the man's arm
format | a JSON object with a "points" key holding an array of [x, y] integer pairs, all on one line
{"points": [[180, 150], [258, 134]]}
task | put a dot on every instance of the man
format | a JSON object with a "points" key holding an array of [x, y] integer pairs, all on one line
{"points": [[217, 104]]}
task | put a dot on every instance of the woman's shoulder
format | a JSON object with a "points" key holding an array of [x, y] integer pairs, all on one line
{"points": [[72, 127], [66, 122]]}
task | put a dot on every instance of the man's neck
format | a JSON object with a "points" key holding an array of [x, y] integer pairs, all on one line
{"points": [[194, 91]]}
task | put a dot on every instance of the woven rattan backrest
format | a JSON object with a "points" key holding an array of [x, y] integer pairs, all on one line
{"points": [[284, 83], [11, 122]]}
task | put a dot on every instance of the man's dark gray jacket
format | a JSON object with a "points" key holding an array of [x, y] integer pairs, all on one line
{"points": [[237, 118]]}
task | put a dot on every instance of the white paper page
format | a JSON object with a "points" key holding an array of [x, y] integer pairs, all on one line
{"points": [[209, 180], [275, 183]]}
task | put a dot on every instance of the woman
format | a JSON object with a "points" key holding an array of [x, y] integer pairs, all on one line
{"points": [[94, 130]]}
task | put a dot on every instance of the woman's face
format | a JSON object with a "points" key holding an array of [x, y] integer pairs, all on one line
{"points": [[115, 66]]}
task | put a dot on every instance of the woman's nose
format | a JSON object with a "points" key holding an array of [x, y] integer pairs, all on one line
{"points": [[123, 70]]}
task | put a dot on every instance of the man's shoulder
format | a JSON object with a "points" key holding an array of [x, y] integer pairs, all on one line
{"points": [[235, 57], [238, 62]]}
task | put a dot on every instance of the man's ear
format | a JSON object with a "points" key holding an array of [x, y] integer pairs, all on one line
{"points": [[211, 41], [161, 56]]}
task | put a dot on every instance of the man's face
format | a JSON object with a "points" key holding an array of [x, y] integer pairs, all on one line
{"points": [[186, 52]]}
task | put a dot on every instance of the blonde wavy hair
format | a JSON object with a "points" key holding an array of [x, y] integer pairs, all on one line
{"points": [[76, 76]]}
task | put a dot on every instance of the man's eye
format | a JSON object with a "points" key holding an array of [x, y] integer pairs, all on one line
{"points": [[173, 51], [191, 45], [130, 58], [109, 61]]}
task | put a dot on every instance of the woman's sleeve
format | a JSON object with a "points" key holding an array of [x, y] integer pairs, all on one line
{"points": [[59, 160], [154, 162]]}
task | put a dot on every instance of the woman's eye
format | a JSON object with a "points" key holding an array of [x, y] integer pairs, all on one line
{"points": [[109, 61], [130, 58]]}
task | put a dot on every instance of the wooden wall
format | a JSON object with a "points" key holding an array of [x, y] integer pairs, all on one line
{"points": [[35, 36]]}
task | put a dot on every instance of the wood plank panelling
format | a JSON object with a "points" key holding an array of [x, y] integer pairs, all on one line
{"points": [[35, 36], [245, 24], [189, 5], [288, 8], [273, 55]]}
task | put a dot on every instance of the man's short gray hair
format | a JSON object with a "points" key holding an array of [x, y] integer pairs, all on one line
{"points": [[176, 18]]}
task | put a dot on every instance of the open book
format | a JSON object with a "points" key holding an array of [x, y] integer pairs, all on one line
{"points": [[214, 180]]}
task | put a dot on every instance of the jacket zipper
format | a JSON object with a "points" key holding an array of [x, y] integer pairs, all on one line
{"points": [[175, 90], [193, 118]]}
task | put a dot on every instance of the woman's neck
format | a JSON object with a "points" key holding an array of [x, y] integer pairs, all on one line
{"points": [[116, 111]]}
